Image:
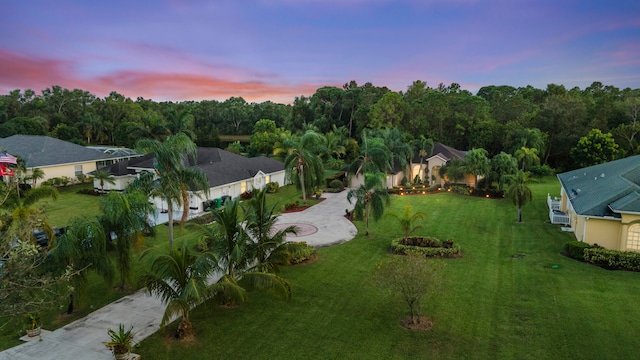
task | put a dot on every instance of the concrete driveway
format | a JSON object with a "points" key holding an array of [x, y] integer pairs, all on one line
{"points": [[323, 224]]}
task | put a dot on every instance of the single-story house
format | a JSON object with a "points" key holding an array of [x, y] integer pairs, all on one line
{"points": [[56, 158], [229, 174], [428, 170], [602, 203]]}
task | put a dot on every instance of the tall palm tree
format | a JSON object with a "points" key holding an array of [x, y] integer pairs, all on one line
{"points": [[191, 180], [425, 147], [399, 149], [36, 174], [370, 197], [518, 190], [334, 144], [374, 157], [303, 164], [180, 279], [527, 157], [125, 215], [104, 176], [169, 163], [82, 248], [267, 247]]}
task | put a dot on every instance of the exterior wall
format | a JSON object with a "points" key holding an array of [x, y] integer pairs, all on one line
{"points": [[626, 222], [604, 232], [121, 182], [68, 170]]}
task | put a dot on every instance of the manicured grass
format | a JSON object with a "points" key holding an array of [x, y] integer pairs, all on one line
{"points": [[492, 305], [70, 204]]}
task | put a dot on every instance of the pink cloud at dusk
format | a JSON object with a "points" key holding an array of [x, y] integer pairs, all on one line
{"points": [[279, 49]]}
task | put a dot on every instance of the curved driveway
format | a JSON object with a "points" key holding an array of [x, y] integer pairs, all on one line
{"points": [[84, 338]]}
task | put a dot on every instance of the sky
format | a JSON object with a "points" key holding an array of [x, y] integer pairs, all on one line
{"points": [[175, 50]]}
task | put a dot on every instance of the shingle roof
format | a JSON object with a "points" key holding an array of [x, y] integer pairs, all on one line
{"points": [[444, 151], [39, 151], [220, 166], [605, 189]]}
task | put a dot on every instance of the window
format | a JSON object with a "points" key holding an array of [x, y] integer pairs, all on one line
{"points": [[267, 178], [78, 169], [633, 237], [243, 186]]}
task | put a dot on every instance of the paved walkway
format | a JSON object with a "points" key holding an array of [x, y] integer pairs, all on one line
{"points": [[322, 225]]}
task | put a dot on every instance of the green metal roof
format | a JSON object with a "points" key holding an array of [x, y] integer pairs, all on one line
{"points": [[606, 189]]}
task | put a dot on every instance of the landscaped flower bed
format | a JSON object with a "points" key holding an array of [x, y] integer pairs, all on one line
{"points": [[427, 246]]}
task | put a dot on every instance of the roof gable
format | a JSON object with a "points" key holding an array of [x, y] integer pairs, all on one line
{"points": [[442, 151], [221, 167], [40, 151], [600, 189]]}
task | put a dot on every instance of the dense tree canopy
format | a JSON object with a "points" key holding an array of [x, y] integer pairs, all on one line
{"points": [[497, 118]]}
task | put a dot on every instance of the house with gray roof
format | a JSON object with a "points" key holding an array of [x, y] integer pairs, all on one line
{"points": [[55, 157], [229, 174], [602, 203]]}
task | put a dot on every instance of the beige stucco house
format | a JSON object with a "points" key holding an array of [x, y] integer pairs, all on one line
{"points": [[229, 175], [427, 169], [601, 204], [55, 157]]}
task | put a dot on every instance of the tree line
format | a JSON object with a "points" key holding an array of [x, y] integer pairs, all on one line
{"points": [[494, 119]]}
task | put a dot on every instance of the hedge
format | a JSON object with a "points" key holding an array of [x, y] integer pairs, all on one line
{"points": [[452, 251], [575, 249], [613, 259]]}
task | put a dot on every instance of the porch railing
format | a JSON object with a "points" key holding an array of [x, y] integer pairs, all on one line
{"points": [[555, 215]]}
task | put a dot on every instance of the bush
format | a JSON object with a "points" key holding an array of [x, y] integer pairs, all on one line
{"points": [[541, 170], [575, 249], [427, 246], [484, 184], [88, 192], [613, 259], [246, 195], [299, 252], [336, 185], [291, 205], [272, 187]]}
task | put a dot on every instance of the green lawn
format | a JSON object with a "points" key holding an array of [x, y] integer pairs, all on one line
{"points": [[492, 305], [70, 204]]}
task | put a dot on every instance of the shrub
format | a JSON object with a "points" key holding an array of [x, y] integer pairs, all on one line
{"points": [[272, 187], [299, 252], [88, 192], [432, 247], [336, 185], [575, 249], [613, 259], [246, 195], [541, 170], [484, 184], [291, 205]]}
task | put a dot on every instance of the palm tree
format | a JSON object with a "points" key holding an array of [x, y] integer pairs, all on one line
{"points": [[125, 215], [169, 163], [180, 279], [408, 219], [454, 171], [424, 147], [477, 163], [81, 248], [104, 176], [191, 179], [268, 248], [374, 157], [36, 174], [527, 156], [303, 165], [370, 198], [232, 246], [518, 190], [400, 150]]}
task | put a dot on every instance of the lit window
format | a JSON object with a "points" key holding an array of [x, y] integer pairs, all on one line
{"points": [[633, 237]]}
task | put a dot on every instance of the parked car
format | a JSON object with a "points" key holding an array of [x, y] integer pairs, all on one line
{"points": [[42, 239]]}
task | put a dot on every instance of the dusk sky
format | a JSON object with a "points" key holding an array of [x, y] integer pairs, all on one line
{"points": [[279, 49]]}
